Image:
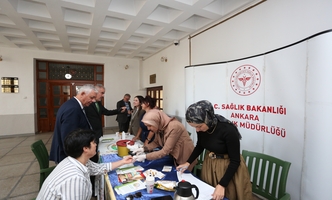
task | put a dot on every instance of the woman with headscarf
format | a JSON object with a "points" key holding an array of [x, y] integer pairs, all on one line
{"points": [[223, 166], [170, 135]]}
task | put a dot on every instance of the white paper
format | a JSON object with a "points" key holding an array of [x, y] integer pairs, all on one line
{"points": [[130, 187], [205, 190]]}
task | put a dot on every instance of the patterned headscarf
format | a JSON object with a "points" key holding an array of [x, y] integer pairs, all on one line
{"points": [[203, 112]]}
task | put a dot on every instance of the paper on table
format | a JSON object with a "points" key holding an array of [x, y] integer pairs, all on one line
{"points": [[205, 190], [130, 187]]}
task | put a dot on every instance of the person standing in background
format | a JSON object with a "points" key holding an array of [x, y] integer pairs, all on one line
{"points": [[136, 116], [143, 133], [94, 113], [69, 117], [123, 119]]}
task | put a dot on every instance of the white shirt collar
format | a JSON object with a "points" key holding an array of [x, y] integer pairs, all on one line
{"points": [[79, 102]]}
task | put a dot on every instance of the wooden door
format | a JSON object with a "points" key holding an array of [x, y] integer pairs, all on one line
{"points": [[59, 93]]}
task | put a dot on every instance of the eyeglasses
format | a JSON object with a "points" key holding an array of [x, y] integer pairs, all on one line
{"points": [[132, 196]]}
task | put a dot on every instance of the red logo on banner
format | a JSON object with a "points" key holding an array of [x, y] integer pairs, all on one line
{"points": [[245, 80]]}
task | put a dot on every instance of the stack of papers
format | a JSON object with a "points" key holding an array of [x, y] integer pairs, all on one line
{"points": [[129, 187]]}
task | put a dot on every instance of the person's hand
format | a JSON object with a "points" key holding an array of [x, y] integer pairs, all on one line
{"points": [[132, 147], [219, 193], [123, 109], [183, 167], [129, 112], [138, 150], [140, 158], [127, 159], [134, 139]]}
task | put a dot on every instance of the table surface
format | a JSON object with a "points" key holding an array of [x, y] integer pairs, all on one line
{"points": [[107, 154]]}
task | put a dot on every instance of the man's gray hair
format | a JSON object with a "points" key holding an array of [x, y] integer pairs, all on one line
{"points": [[98, 86], [87, 89]]}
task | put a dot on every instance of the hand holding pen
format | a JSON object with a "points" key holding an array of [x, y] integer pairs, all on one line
{"points": [[183, 167]]}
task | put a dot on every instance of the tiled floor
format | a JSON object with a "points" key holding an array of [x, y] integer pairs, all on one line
{"points": [[19, 168]]}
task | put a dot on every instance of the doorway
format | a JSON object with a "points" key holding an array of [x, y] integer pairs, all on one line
{"points": [[54, 88]]}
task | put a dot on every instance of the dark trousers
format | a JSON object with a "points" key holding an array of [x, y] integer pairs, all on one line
{"points": [[124, 126]]}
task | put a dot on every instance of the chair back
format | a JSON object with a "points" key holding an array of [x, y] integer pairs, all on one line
{"points": [[41, 153], [199, 163], [268, 175]]}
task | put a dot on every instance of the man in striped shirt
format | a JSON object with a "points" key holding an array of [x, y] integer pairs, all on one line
{"points": [[70, 180]]}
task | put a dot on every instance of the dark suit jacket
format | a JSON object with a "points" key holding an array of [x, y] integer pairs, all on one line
{"points": [[95, 117], [69, 117], [122, 117]]}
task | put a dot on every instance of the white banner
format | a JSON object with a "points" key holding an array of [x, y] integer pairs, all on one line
{"points": [[267, 98]]}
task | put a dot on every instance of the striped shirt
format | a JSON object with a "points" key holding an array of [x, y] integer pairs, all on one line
{"points": [[70, 180]]}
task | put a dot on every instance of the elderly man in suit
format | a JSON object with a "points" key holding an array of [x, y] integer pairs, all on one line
{"points": [[124, 118], [71, 116]]}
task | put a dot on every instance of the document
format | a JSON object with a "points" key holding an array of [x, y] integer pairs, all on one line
{"points": [[205, 190]]}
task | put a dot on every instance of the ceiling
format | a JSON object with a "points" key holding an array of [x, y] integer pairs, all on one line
{"points": [[116, 28]]}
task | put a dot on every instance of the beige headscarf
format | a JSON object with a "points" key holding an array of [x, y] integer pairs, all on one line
{"points": [[156, 118]]}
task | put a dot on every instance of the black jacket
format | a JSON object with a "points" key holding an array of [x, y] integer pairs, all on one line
{"points": [[123, 117], [95, 117]]}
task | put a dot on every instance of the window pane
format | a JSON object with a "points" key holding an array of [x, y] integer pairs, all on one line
{"points": [[161, 94], [57, 71], [161, 104], [56, 101], [42, 88], [55, 111], [42, 112], [157, 94], [42, 65], [42, 75], [56, 89], [99, 69], [43, 101], [99, 77], [66, 89], [151, 94]]}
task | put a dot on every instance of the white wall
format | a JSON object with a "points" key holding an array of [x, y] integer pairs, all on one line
{"points": [[17, 111], [170, 75]]}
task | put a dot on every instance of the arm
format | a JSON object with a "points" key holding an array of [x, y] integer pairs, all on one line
{"points": [[107, 112], [102, 168], [138, 134], [233, 149], [149, 137]]}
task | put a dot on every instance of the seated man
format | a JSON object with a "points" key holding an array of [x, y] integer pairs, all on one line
{"points": [[71, 177]]}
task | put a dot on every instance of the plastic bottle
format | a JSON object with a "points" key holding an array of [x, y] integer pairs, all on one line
{"points": [[149, 181], [123, 135]]}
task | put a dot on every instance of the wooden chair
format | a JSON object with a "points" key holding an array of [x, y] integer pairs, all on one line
{"points": [[41, 153], [268, 175], [198, 166]]}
